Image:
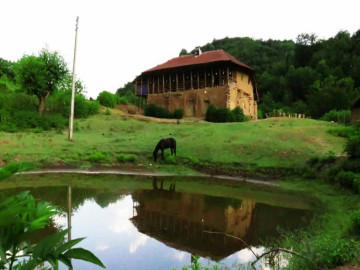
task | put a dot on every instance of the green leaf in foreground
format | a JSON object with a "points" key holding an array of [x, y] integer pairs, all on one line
{"points": [[85, 255]]}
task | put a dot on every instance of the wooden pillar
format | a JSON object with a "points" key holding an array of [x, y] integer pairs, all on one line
{"points": [[158, 86], [183, 80], [177, 82], [198, 79], [136, 82], [141, 86], [212, 78], [163, 78], [205, 78], [153, 86], [191, 80], [148, 85], [227, 74], [219, 76], [170, 83]]}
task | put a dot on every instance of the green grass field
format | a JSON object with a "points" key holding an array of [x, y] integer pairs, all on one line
{"points": [[274, 142]]}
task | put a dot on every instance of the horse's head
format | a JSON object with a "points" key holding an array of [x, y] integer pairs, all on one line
{"points": [[155, 155]]}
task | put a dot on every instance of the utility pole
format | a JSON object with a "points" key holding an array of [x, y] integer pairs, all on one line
{"points": [[71, 121]]}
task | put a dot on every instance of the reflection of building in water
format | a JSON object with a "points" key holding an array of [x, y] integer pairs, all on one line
{"points": [[179, 220]]}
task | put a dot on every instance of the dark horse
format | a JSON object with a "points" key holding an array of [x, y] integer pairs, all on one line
{"points": [[163, 144]]}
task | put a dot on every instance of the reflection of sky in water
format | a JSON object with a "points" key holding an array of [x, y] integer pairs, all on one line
{"points": [[112, 237]]}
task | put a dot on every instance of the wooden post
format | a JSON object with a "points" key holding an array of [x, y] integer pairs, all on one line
{"points": [[198, 79], [158, 86], [177, 82], [170, 82], [227, 74], [183, 80], [141, 86], [205, 79], [69, 212], [212, 78], [153, 86], [191, 80], [163, 77], [148, 85], [71, 120], [136, 82]]}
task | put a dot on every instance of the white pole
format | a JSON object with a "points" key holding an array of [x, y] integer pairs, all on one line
{"points": [[71, 121]]}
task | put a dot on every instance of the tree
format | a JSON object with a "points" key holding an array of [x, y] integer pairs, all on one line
{"points": [[183, 52], [66, 84], [40, 75]]}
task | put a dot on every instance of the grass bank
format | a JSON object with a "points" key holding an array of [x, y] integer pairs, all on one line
{"points": [[117, 141], [333, 237]]}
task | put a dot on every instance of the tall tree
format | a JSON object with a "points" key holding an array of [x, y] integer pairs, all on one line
{"points": [[40, 75]]}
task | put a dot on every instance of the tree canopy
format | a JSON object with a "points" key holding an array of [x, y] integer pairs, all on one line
{"points": [[309, 76], [40, 75]]}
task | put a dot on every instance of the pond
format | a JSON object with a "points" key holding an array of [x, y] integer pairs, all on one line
{"points": [[141, 222]]}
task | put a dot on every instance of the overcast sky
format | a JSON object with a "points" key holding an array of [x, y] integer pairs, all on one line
{"points": [[118, 40]]}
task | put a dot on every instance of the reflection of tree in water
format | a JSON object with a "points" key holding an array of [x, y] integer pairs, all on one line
{"points": [[104, 199], [58, 196]]}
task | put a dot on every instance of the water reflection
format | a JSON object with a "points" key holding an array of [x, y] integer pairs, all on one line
{"points": [[159, 226], [183, 221]]}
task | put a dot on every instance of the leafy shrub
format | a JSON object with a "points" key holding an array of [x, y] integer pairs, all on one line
{"points": [[221, 115], [107, 99], [54, 120], [353, 146], [127, 158], [28, 216], [108, 111], [342, 131], [160, 112], [14, 167], [342, 117], [93, 107], [59, 103], [349, 180], [96, 156], [156, 111], [8, 127], [177, 114], [122, 100], [352, 165], [239, 114], [355, 222]]}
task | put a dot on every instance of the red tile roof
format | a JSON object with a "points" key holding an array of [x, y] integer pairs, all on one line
{"points": [[204, 58]]}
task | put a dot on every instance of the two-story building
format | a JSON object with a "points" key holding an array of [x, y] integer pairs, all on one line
{"points": [[193, 82]]}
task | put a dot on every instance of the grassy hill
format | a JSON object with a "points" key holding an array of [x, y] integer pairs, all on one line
{"points": [[274, 142]]}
